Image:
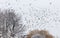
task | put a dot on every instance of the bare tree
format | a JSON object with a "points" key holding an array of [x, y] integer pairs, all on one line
{"points": [[2, 24], [11, 23]]}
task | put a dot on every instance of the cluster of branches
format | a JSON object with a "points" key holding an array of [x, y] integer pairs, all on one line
{"points": [[10, 24]]}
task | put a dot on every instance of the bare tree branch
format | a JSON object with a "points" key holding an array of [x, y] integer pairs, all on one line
{"points": [[10, 22]]}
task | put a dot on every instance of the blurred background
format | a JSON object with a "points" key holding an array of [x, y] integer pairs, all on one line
{"points": [[36, 14]]}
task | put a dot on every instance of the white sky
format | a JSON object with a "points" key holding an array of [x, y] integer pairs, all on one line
{"points": [[34, 3]]}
